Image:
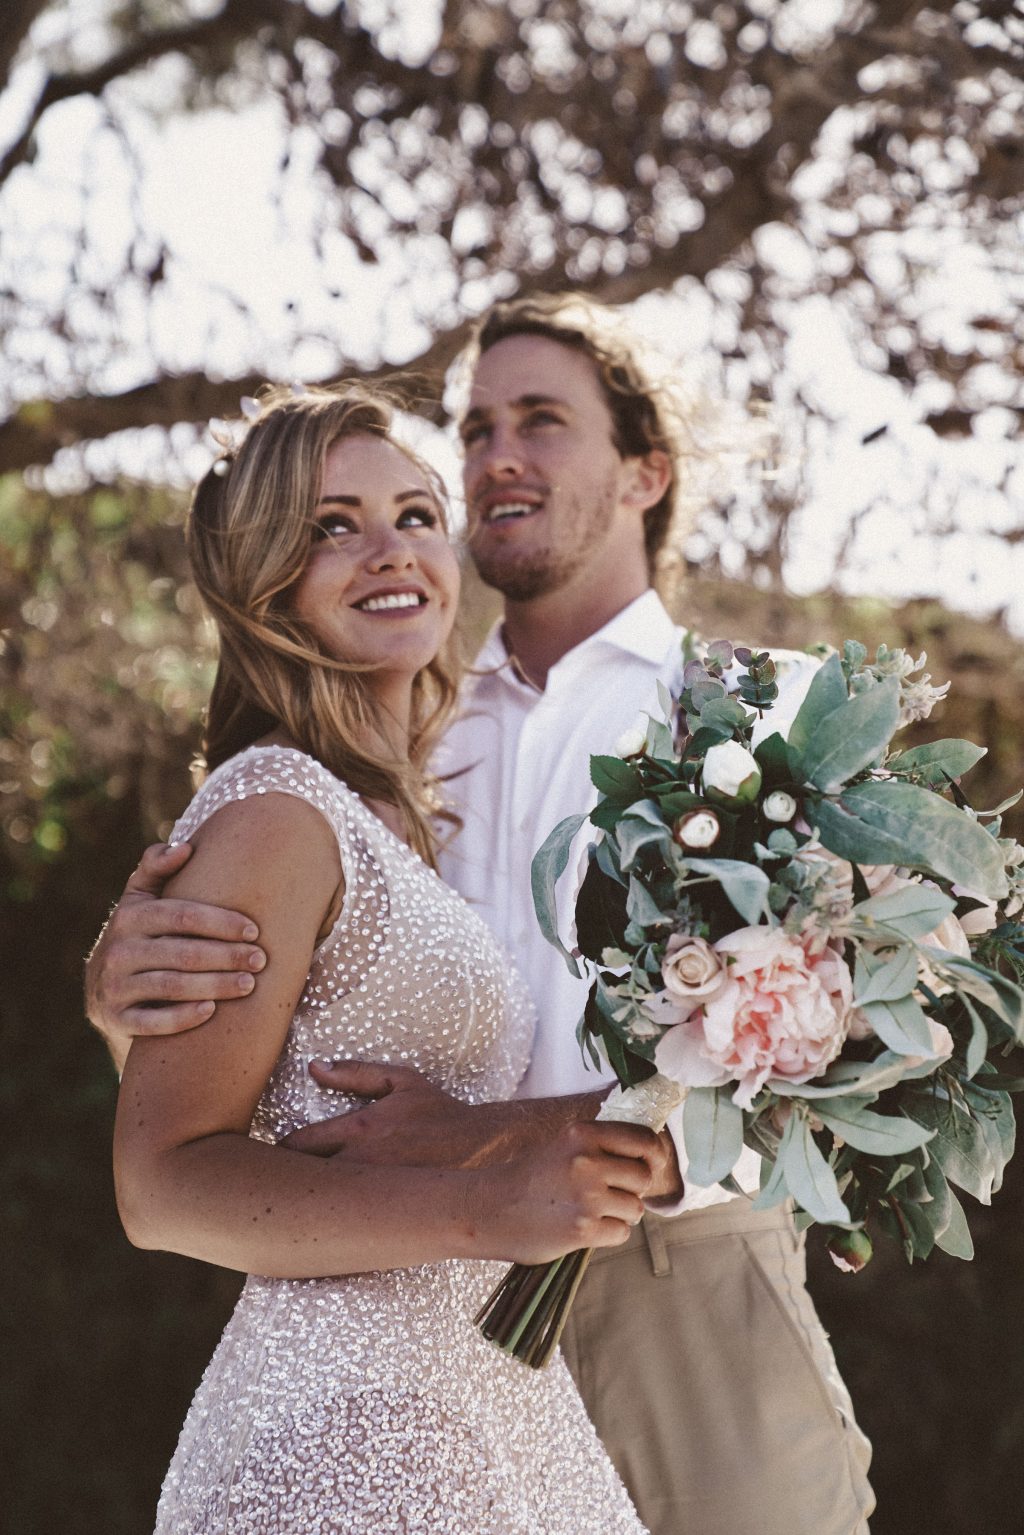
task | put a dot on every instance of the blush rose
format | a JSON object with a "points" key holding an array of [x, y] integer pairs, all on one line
{"points": [[783, 1011]]}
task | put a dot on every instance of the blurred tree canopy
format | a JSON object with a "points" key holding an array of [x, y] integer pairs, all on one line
{"points": [[728, 168], [775, 149]]}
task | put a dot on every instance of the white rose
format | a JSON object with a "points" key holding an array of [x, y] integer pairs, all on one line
{"points": [[779, 806], [699, 828], [631, 742], [730, 771], [691, 969]]}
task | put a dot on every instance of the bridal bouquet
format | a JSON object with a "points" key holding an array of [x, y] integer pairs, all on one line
{"points": [[812, 942]]}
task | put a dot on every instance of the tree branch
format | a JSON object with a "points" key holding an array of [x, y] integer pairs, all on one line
{"points": [[18, 18]]}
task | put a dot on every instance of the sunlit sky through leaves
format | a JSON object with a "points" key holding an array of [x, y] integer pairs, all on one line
{"points": [[256, 274]]}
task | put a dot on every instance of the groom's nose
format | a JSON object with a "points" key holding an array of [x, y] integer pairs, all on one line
{"points": [[503, 458]]}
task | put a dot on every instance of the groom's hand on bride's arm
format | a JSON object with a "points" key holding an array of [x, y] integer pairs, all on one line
{"points": [[409, 1121], [160, 966], [406, 1122]]}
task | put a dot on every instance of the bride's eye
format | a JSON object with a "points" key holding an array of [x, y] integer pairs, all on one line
{"points": [[419, 517], [331, 524]]}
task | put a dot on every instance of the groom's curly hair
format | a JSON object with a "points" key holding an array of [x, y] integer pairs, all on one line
{"points": [[645, 418]]}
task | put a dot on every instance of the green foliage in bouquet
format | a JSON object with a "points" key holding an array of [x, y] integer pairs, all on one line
{"points": [[815, 938]]}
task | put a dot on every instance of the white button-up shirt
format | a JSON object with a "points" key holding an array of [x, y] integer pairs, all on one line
{"points": [[521, 760]]}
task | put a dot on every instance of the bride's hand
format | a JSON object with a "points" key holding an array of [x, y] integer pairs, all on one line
{"points": [[583, 1188]]}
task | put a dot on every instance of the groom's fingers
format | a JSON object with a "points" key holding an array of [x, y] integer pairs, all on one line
{"points": [[367, 1079], [363, 1079], [155, 867], [323, 1139]]}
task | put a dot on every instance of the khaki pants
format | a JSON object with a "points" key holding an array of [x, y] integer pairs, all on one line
{"points": [[708, 1376]]}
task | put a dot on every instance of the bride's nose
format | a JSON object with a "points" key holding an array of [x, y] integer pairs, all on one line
{"points": [[391, 551]]}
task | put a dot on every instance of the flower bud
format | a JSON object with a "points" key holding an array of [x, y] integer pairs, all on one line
{"points": [[850, 1250], [779, 806], [631, 742], [730, 772], [696, 829]]}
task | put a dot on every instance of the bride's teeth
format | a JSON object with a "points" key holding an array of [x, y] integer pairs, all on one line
{"points": [[395, 600]]}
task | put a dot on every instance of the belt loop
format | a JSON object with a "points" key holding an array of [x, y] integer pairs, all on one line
{"points": [[661, 1263]]}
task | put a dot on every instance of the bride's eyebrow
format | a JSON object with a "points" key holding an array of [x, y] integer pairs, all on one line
{"points": [[400, 499]]}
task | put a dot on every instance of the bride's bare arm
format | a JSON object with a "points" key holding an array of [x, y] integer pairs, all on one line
{"points": [[190, 1180]]}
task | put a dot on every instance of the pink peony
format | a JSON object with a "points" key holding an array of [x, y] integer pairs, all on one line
{"points": [[782, 1012]]}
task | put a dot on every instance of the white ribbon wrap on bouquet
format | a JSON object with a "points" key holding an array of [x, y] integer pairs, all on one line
{"points": [[648, 1103]]}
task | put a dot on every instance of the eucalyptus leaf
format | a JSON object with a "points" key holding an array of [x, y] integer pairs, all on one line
{"points": [[995, 991], [745, 885], [919, 1223], [977, 1048], [1004, 805], [938, 1188], [724, 714], [607, 858], [955, 1237], [929, 832], [938, 760], [826, 693], [913, 911], [666, 701], [659, 739], [774, 1188], [641, 826], [704, 690], [641, 906], [849, 836], [811, 1180], [912, 1067], [712, 1134], [882, 1134], [846, 1078], [878, 978], [900, 1175], [852, 737], [902, 1025], [959, 1145], [547, 868], [996, 1116]]}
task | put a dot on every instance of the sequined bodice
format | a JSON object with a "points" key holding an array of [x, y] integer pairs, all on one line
{"points": [[408, 973], [369, 1403]]}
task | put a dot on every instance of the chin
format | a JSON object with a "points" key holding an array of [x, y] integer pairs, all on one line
{"points": [[519, 583]]}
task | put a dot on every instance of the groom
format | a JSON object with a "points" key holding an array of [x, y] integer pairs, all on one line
{"points": [[695, 1345]]}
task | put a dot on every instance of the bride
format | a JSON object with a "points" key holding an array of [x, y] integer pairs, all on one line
{"points": [[350, 1391]]}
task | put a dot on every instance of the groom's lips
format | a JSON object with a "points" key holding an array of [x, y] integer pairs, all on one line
{"points": [[501, 508]]}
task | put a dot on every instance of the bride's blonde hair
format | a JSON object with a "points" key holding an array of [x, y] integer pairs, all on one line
{"points": [[250, 533]]}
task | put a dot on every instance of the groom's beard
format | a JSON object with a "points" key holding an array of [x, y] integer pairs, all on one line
{"points": [[552, 550]]}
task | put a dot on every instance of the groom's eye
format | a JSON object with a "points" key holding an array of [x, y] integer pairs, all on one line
{"points": [[473, 431]]}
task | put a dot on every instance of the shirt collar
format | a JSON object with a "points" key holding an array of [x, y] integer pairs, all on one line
{"points": [[642, 629]]}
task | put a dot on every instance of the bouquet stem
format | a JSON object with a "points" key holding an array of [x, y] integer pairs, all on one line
{"points": [[527, 1311], [525, 1314]]}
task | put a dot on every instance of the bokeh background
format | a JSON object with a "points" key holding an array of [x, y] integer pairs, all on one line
{"points": [[814, 209]]}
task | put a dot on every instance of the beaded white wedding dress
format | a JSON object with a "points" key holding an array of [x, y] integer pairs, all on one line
{"points": [[370, 1403]]}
